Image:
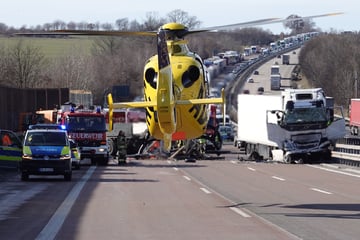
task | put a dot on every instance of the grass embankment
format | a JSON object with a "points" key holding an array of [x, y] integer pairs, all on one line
{"points": [[51, 47]]}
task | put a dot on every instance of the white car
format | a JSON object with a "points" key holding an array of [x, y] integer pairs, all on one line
{"points": [[250, 80]]}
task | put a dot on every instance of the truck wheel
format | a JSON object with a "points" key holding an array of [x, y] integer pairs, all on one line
{"points": [[93, 161], [24, 177], [249, 151], [288, 159], [77, 166], [68, 176], [112, 146], [103, 161]]}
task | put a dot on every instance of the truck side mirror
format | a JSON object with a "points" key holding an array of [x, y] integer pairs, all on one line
{"points": [[290, 105], [330, 114]]}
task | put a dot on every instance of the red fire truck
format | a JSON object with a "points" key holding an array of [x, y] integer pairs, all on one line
{"points": [[88, 128]]}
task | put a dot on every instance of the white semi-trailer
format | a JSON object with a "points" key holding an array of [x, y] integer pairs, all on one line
{"points": [[297, 125]]}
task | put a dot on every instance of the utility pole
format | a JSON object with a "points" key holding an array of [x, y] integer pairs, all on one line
{"points": [[356, 83]]}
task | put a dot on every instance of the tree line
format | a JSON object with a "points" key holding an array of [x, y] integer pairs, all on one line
{"points": [[332, 61]]}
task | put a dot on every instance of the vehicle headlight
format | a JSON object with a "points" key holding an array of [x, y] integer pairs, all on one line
{"points": [[27, 157], [65, 157]]}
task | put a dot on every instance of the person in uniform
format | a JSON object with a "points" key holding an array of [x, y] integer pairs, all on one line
{"points": [[121, 147]]}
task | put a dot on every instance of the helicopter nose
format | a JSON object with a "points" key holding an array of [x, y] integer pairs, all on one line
{"points": [[190, 76]]}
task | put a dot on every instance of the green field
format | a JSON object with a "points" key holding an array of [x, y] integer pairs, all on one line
{"points": [[52, 47]]}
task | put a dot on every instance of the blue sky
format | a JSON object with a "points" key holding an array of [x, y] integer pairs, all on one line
{"points": [[17, 13]]}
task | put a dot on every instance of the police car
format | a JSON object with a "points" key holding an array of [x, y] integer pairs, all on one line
{"points": [[46, 151], [10, 149]]}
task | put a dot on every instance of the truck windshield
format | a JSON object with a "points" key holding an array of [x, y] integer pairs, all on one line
{"points": [[86, 124], [305, 115]]}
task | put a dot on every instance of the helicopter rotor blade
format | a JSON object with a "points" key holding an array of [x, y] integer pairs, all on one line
{"points": [[104, 33], [238, 25], [307, 17], [88, 33]]}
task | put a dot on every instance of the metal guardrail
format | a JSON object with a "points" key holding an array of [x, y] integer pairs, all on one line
{"points": [[347, 151]]}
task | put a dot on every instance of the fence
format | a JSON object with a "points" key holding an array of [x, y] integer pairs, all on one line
{"points": [[14, 101]]}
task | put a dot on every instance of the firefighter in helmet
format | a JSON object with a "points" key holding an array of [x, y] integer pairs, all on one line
{"points": [[121, 147]]}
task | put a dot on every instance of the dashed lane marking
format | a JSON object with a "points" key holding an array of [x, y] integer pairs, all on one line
{"points": [[205, 190], [240, 212], [321, 191], [187, 178], [278, 178]]}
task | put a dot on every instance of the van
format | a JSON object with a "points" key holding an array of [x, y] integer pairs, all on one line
{"points": [[10, 149], [46, 152]]}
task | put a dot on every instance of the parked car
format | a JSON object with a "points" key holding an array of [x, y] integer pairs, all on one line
{"points": [[226, 133], [260, 90], [46, 152], [10, 149]]}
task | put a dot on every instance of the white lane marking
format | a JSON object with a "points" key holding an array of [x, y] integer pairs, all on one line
{"points": [[234, 162], [278, 178], [205, 190], [187, 178], [240, 212], [176, 169], [321, 191], [252, 169], [57, 220], [335, 171]]}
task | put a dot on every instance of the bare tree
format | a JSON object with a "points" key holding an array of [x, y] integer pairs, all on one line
{"points": [[3, 66], [332, 62], [107, 26], [3, 28], [122, 24], [71, 26], [72, 70], [25, 63], [152, 22], [183, 17], [298, 24], [58, 25]]}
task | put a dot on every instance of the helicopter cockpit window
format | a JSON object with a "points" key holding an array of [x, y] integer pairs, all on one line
{"points": [[151, 76], [190, 76]]}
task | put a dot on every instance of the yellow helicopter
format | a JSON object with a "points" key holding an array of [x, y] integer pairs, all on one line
{"points": [[175, 82], [176, 87]]}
